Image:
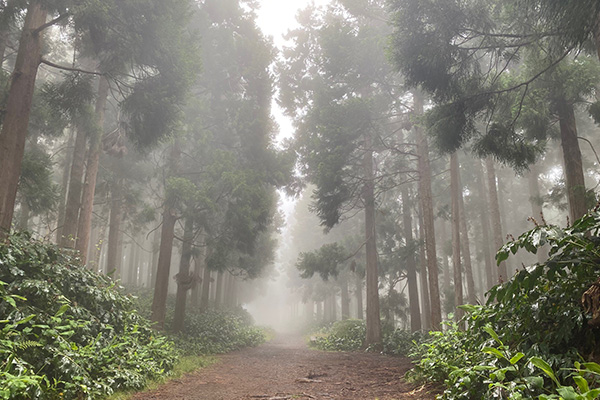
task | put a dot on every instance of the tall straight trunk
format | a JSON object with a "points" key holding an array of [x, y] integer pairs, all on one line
{"points": [[98, 248], [89, 189], [206, 280], [167, 234], [23, 224], [130, 265], [73, 204], [155, 253], [64, 187], [219, 290], [425, 298], [447, 281], [114, 229], [345, 299], [411, 265], [359, 296], [309, 310], [197, 287], [319, 311], [17, 111], [327, 309], [5, 31], [184, 279], [373, 320], [535, 199], [456, 264], [574, 178], [495, 213], [485, 228], [333, 305], [465, 246], [426, 198]]}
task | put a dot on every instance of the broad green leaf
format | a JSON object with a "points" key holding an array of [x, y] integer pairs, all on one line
{"points": [[544, 366], [493, 351], [515, 359], [581, 383], [62, 310], [568, 393]]}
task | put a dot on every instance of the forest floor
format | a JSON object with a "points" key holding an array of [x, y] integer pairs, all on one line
{"points": [[285, 368]]}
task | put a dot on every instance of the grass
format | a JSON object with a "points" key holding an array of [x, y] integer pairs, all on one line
{"points": [[185, 365]]}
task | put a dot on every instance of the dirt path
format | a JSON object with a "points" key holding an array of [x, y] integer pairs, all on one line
{"points": [[286, 369]]}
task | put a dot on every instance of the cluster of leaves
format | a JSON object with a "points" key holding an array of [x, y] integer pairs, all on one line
{"points": [[67, 332], [531, 326], [346, 335], [219, 331]]}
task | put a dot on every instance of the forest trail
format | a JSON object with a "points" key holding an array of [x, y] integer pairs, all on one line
{"points": [[286, 368]]}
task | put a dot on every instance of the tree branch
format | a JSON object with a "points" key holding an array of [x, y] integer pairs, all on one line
{"points": [[50, 23], [72, 69]]}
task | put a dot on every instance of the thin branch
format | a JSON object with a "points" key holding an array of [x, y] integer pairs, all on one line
{"points": [[50, 23], [591, 145], [62, 67]]}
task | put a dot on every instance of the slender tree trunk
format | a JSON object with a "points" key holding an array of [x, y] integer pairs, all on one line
{"points": [[411, 266], [18, 109], [64, 187], [167, 234], [114, 229], [574, 178], [333, 307], [73, 205], [447, 281], [345, 299], [205, 299], [219, 291], [98, 248], [456, 264], [91, 173], [24, 217], [130, 266], [426, 198], [373, 319], [184, 279], [359, 296], [465, 245], [535, 198], [197, 285], [425, 298], [485, 228], [155, 253], [319, 311], [495, 213]]}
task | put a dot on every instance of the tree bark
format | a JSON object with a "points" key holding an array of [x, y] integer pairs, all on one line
{"points": [[73, 205], [485, 228], [456, 264], [18, 109], [183, 278], [465, 245], [495, 213], [411, 266], [24, 217], [206, 278], [359, 296], [64, 187], [373, 319], [574, 178], [426, 198], [87, 202], [425, 298], [114, 228], [537, 213], [345, 298], [219, 290]]}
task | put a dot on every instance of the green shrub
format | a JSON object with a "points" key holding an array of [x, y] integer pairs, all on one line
{"points": [[400, 342], [71, 326], [347, 335]]}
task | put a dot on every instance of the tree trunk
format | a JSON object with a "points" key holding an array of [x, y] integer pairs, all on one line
{"points": [[359, 296], [495, 213], [425, 298], [155, 253], [485, 228], [219, 291], [373, 319], [183, 278], [465, 246], [426, 198], [447, 281], [457, 267], [411, 266], [206, 279], [114, 228], [535, 198], [574, 178], [24, 217], [345, 299], [333, 305], [98, 248], [167, 234], [320, 311], [91, 173], [17, 111], [64, 187]]}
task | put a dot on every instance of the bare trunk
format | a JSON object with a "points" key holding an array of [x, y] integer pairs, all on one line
{"points": [[535, 198], [359, 296], [64, 187], [457, 267], [24, 217], [112, 263], [425, 299], [155, 253], [485, 228], [574, 177], [411, 266], [373, 319], [319, 311], [426, 198], [206, 279], [447, 282], [17, 111], [495, 213], [89, 189], [219, 291], [345, 299], [98, 248], [183, 278], [465, 246]]}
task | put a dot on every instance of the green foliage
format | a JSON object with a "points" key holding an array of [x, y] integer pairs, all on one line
{"points": [[347, 335], [523, 343], [400, 342], [71, 326], [324, 261]]}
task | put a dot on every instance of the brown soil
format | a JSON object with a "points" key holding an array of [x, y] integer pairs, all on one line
{"points": [[286, 369]]}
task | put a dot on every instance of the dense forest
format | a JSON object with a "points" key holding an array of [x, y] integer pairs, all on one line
{"points": [[437, 198]]}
